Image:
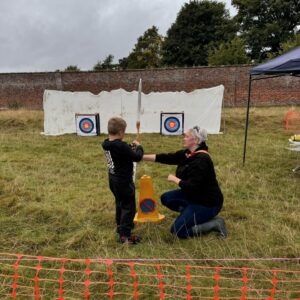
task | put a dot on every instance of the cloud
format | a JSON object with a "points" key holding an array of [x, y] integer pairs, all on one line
{"points": [[45, 35]]}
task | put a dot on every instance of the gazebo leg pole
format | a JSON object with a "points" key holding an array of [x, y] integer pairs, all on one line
{"points": [[247, 119]]}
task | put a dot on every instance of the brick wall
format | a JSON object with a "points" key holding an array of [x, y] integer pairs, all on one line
{"points": [[26, 89]]}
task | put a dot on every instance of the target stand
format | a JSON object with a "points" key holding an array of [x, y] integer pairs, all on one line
{"points": [[87, 124], [171, 123], [147, 206]]}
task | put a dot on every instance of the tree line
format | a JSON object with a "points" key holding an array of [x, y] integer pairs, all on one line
{"points": [[204, 34]]}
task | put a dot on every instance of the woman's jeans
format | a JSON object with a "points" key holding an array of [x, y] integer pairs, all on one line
{"points": [[190, 214]]}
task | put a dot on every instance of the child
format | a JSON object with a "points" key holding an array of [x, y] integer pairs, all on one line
{"points": [[120, 157]]}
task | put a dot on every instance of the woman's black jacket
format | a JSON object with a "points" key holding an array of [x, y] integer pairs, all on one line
{"points": [[197, 174]]}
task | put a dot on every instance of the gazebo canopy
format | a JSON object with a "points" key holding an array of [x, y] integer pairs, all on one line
{"points": [[285, 64], [288, 62]]}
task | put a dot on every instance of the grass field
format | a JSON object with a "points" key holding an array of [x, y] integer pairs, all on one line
{"points": [[55, 200]]}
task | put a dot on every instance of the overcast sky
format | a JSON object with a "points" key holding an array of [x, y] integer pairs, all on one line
{"points": [[46, 35]]}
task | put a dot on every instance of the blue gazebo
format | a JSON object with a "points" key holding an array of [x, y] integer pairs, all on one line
{"points": [[285, 64]]}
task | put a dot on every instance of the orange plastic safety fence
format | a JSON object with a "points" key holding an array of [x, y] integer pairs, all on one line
{"points": [[38, 277]]}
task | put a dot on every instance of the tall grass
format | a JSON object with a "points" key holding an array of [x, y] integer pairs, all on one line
{"points": [[55, 200]]}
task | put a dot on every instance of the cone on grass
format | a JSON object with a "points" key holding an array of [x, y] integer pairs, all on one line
{"points": [[147, 205]]}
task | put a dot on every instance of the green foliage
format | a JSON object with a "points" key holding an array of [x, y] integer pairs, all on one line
{"points": [[107, 64], [146, 53], [265, 24], [287, 46], [199, 26], [72, 68], [291, 44], [229, 53]]}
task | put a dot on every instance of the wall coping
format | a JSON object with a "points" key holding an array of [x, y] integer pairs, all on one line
{"points": [[131, 70]]}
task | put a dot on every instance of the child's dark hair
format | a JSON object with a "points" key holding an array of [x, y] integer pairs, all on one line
{"points": [[116, 125]]}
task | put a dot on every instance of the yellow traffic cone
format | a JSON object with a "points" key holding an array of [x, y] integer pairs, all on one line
{"points": [[147, 206]]}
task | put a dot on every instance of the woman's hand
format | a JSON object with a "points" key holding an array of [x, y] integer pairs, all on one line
{"points": [[173, 178]]}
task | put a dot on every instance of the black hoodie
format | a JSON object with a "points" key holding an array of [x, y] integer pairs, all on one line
{"points": [[120, 157]]}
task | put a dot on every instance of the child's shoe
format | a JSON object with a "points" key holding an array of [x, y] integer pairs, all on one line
{"points": [[133, 239]]}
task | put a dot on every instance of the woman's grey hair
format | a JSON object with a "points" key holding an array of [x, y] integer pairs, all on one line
{"points": [[200, 134]]}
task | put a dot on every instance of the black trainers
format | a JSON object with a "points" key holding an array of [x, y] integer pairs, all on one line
{"points": [[133, 239]]}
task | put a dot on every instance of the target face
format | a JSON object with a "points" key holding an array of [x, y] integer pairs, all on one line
{"points": [[171, 123], [147, 205], [88, 124]]}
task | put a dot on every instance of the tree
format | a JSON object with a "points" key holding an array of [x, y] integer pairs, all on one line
{"points": [[106, 64], [229, 53], [290, 44], [287, 46], [265, 24], [146, 52], [72, 68], [199, 26]]}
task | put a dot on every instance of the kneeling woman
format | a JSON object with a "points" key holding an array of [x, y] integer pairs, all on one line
{"points": [[199, 198]]}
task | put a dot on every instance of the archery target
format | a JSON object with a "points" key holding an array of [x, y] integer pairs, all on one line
{"points": [[171, 123], [87, 124]]}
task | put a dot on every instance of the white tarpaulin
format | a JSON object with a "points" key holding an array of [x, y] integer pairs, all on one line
{"points": [[201, 107]]}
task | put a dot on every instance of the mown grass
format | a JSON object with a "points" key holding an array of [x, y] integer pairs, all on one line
{"points": [[55, 200]]}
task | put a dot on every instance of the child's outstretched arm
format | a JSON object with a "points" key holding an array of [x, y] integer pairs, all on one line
{"points": [[135, 154]]}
